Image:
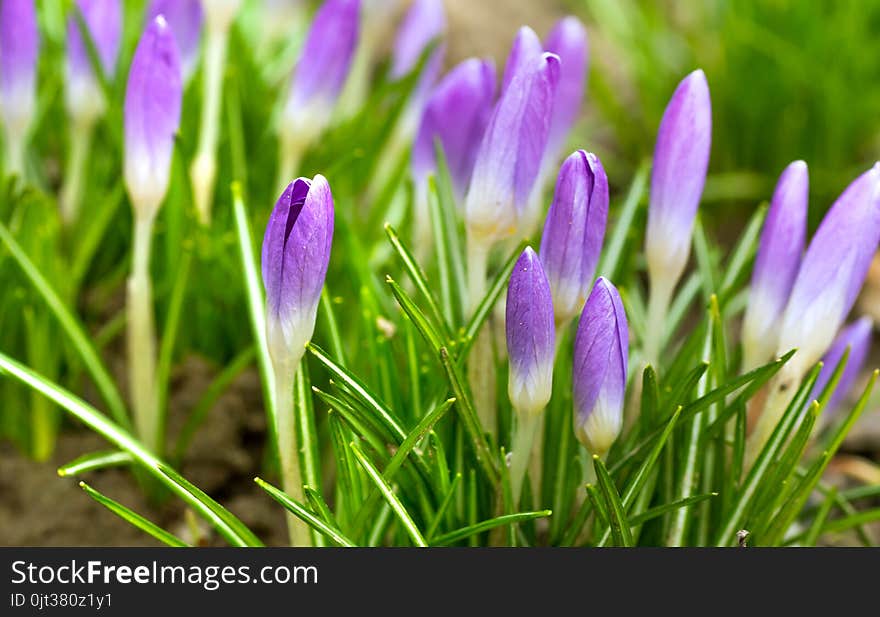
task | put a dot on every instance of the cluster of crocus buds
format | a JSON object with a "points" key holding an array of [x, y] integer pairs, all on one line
{"points": [[601, 349], [19, 50], [84, 96], [681, 159], [185, 18], [152, 117], [828, 281], [573, 232], [295, 257], [317, 80]]}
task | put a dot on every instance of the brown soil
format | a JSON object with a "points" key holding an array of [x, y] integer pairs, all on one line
{"points": [[37, 508]]}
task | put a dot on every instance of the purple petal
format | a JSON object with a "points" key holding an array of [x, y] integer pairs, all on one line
{"points": [[103, 18], [833, 270], [456, 113], [326, 55], [295, 256], [574, 230], [777, 262], [600, 364], [152, 113], [681, 158], [524, 53], [185, 18], [19, 48], [510, 153], [856, 337], [568, 40], [530, 334], [424, 23]]}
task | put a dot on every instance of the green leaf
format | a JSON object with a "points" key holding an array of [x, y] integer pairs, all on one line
{"points": [[815, 529], [72, 328], [402, 515], [297, 509], [94, 461], [647, 515], [307, 433], [443, 508], [620, 531], [477, 528], [609, 265], [419, 280], [134, 518], [422, 324], [226, 524]]}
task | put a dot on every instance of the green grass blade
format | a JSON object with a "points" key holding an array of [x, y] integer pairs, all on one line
{"points": [[443, 508], [226, 524], [620, 531], [419, 320], [94, 461], [398, 508], [482, 526], [303, 513], [647, 515], [609, 265], [133, 518], [72, 327]]}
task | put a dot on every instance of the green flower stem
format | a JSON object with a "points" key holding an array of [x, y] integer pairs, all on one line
{"points": [[481, 364], [142, 337], [77, 156], [523, 439], [288, 448]]}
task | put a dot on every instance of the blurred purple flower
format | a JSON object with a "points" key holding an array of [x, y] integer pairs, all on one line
{"points": [[681, 158], [295, 256], [568, 40], [103, 19], [456, 113], [185, 18], [19, 48], [152, 115], [856, 337], [601, 347], [573, 232]]}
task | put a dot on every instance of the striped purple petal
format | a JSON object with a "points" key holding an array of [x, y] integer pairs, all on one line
{"points": [[524, 53], [185, 18], [530, 335], [573, 232], [599, 368]]}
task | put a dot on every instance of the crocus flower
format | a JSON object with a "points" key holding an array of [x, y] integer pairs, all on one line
{"points": [[681, 158], [530, 335], [19, 48], [152, 116], [510, 153], [856, 337], [185, 18], [776, 264], [424, 23], [103, 19], [573, 232], [599, 378], [568, 40], [832, 272], [524, 52], [296, 252], [321, 70], [456, 113]]}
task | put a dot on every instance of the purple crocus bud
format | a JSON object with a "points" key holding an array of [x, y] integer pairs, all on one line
{"points": [[776, 264], [103, 19], [568, 40], [530, 335], [19, 48], [856, 337], [185, 18], [456, 113], [510, 153], [321, 70], [573, 232], [832, 272], [681, 158], [152, 116], [296, 252], [599, 369], [424, 23], [524, 52]]}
